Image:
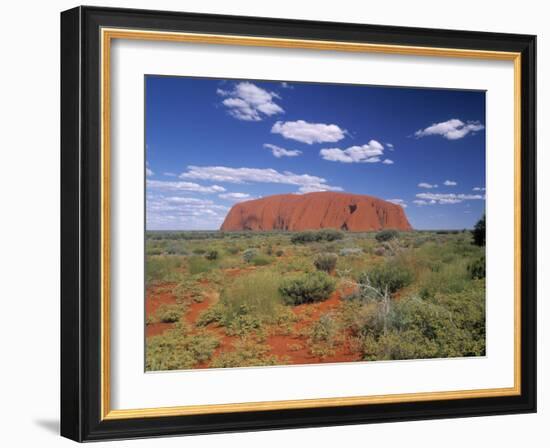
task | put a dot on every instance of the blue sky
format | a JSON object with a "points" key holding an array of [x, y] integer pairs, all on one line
{"points": [[211, 143]]}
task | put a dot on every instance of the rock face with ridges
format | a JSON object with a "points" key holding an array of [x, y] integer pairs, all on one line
{"points": [[322, 210]]}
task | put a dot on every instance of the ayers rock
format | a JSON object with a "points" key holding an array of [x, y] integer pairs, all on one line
{"points": [[293, 212]]}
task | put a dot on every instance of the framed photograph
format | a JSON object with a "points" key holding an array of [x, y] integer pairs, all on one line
{"points": [[277, 224]]}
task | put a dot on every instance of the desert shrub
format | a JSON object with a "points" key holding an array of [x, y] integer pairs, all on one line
{"points": [[269, 250], [202, 345], [325, 262], [189, 288], [199, 251], [211, 254], [476, 268], [444, 278], [304, 237], [246, 304], [177, 349], [363, 318], [451, 325], [352, 267], [279, 253], [247, 353], [198, 265], [386, 235], [388, 276], [162, 269], [479, 232], [311, 236], [295, 263], [324, 335], [249, 254], [154, 251], [351, 251], [330, 235], [261, 260], [175, 248], [307, 288], [169, 313], [232, 250]]}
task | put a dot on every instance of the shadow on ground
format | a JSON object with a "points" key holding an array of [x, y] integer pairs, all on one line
{"points": [[51, 425]]}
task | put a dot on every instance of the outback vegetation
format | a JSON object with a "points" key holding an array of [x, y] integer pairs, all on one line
{"points": [[237, 299]]}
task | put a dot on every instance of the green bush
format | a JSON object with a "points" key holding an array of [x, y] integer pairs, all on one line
{"points": [[232, 250], [175, 248], [249, 254], [246, 304], [386, 235], [330, 235], [476, 268], [279, 253], [198, 265], [189, 289], [444, 278], [261, 260], [449, 325], [351, 251], [169, 313], [479, 232], [389, 276], [247, 353], [211, 255], [160, 269], [421, 329], [324, 335], [307, 288], [316, 236], [176, 349], [326, 262]]}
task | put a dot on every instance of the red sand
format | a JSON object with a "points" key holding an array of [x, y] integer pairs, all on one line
{"points": [[282, 345], [154, 298], [291, 349]]}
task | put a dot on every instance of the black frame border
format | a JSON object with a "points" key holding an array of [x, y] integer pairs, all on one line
{"points": [[81, 224]]}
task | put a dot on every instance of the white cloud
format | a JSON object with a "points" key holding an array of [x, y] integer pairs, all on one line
{"points": [[185, 200], [420, 202], [388, 162], [315, 187], [183, 186], [306, 182], [183, 213], [249, 102], [309, 133], [170, 174], [450, 183], [448, 198], [478, 189], [368, 153], [286, 85], [279, 152], [148, 171], [400, 202], [426, 185], [390, 146], [453, 129], [236, 197]]}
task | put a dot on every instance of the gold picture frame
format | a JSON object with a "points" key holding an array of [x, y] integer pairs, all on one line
{"points": [[107, 32]]}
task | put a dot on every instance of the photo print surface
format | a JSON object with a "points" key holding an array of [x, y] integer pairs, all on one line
{"points": [[292, 223]]}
